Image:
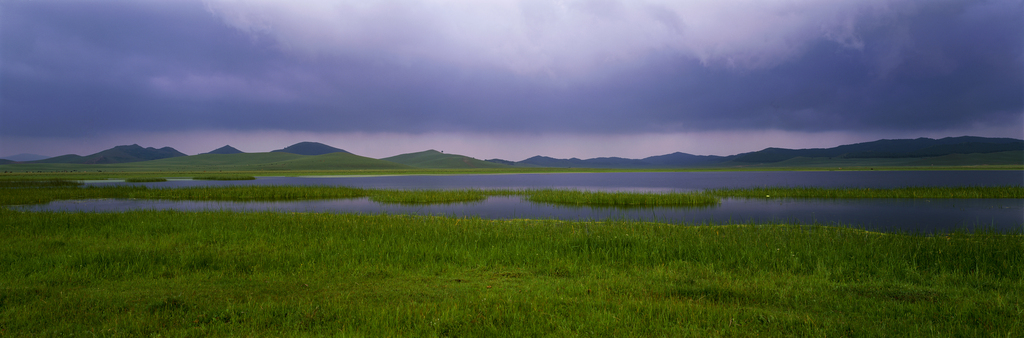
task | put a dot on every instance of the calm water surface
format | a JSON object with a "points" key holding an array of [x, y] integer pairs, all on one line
{"points": [[651, 181], [879, 214], [911, 215]]}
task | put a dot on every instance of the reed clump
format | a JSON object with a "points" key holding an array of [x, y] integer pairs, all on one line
{"points": [[226, 193], [145, 179], [39, 183], [224, 178], [620, 199], [392, 196], [250, 193]]}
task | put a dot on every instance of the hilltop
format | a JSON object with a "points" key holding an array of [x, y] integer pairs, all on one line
{"points": [[225, 150], [310, 148], [434, 159]]}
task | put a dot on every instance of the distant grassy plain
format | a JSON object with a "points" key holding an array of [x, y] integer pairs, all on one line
{"points": [[436, 163]]}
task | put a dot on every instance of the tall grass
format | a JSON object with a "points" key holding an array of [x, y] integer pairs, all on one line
{"points": [[146, 273], [228, 193], [1016, 191], [38, 183]]}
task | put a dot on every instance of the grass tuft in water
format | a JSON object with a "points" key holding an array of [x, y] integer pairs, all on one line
{"points": [[145, 179], [427, 196], [620, 199], [224, 178]]}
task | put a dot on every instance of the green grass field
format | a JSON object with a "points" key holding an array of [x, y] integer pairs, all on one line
{"points": [[166, 273]]}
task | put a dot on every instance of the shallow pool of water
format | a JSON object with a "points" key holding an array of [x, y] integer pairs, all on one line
{"points": [[905, 215], [642, 181]]}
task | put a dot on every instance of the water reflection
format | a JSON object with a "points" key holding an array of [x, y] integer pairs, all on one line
{"points": [[909, 215]]}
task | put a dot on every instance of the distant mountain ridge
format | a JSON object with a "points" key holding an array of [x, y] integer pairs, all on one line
{"points": [[310, 148], [900, 148], [947, 150], [118, 154]]}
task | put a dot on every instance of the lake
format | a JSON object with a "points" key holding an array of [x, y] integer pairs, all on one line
{"points": [[910, 215], [643, 181]]}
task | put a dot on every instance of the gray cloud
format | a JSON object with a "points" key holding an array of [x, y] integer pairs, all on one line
{"points": [[90, 68]]}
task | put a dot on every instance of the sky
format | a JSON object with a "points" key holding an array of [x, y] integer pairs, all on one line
{"points": [[506, 79]]}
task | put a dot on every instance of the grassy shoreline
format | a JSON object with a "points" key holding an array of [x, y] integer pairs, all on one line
{"points": [[23, 193], [38, 192], [105, 173], [169, 273]]}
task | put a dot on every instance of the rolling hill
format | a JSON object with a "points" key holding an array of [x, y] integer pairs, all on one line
{"points": [[118, 154], [225, 150], [434, 159], [309, 148], [673, 160]]}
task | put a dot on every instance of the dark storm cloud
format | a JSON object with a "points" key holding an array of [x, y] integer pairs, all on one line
{"points": [[88, 68]]}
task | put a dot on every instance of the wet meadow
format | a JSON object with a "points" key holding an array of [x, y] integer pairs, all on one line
{"points": [[223, 273]]}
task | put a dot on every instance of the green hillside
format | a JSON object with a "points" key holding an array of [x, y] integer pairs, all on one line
{"points": [[337, 161], [998, 158], [434, 159], [118, 154], [243, 159]]}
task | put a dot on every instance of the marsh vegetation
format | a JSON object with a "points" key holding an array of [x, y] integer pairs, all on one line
{"points": [[171, 273], [35, 192], [224, 178], [145, 179]]}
